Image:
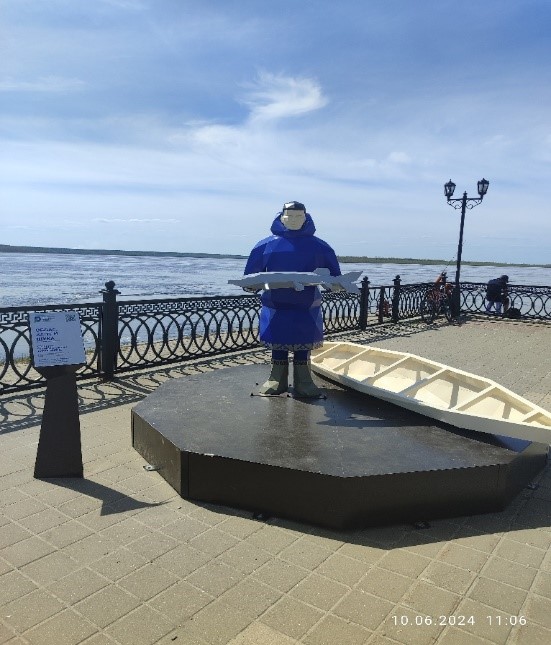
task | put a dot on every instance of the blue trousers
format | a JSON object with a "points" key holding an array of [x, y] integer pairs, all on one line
{"points": [[283, 355]]}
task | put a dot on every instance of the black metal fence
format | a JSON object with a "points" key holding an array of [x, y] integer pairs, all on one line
{"points": [[123, 335]]}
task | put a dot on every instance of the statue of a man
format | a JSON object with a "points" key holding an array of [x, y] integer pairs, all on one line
{"points": [[291, 320]]}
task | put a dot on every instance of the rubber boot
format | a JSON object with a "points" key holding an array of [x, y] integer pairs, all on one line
{"points": [[303, 385], [278, 380]]}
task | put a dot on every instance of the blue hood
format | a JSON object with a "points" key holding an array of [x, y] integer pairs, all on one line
{"points": [[308, 228]]}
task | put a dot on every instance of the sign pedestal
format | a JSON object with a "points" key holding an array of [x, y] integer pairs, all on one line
{"points": [[59, 452]]}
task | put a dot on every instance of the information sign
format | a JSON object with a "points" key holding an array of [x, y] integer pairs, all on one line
{"points": [[56, 338]]}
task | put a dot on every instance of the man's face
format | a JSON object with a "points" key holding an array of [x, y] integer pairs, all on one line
{"points": [[293, 219]]}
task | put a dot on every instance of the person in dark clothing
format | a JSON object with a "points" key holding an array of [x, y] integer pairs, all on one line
{"points": [[291, 321], [496, 294]]}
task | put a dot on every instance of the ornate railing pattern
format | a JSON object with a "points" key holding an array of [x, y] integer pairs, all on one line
{"points": [[164, 331], [16, 371], [125, 335], [533, 302]]}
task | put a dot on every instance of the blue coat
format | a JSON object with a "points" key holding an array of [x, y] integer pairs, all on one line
{"points": [[290, 319]]}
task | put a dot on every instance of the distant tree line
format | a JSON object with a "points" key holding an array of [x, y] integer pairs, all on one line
{"points": [[356, 259]]}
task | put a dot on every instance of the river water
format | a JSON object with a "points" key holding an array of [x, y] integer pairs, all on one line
{"points": [[48, 278]]}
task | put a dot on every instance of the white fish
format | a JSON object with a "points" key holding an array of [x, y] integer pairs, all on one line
{"points": [[297, 280]]}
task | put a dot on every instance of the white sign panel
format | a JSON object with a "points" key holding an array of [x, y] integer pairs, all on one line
{"points": [[56, 338]]}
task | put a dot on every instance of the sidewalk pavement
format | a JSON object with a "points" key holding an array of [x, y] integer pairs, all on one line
{"points": [[119, 557]]}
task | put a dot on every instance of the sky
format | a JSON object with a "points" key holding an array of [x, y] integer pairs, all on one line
{"points": [[184, 125]]}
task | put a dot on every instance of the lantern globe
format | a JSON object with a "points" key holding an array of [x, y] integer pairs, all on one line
{"points": [[449, 188]]}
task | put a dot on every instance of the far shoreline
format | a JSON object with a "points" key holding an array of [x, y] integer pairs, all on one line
{"points": [[345, 259]]}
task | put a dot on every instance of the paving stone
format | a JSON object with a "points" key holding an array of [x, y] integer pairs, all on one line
{"points": [[343, 569], [404, 562], [489, 623], [455, 636], [141, 627], [77, 585], [217, 623], [156, 517], [448, 577], [486, 542], [331, 630], [520, 553], [386, 584], [305, 554], [251, 597], [79, 506], [532, 537], [260, 633], [147, 581], [184, 529], [12, 533], [24, 508], [542, 584], [499, 595], [107, 605], [364, 609], [6, 634], [215, 577], [538, 610], [180, 601], [65, 534], [530, 634], [182, 636], [51, 567], [11, 496], [244, 557], [125, 532], [509, 572], [213, 542], [427, 599], [407, 626], [27, 611], [208, 515], [182, 560], [44, 520], [463, 557], [117, 564], [320, 592], [272, 539], [291, 617], [14, 585], [280, 574], [90, 548], [65, 628], [240, 527], [26, 551], [152, 545], [58, 495], [5, 567]]}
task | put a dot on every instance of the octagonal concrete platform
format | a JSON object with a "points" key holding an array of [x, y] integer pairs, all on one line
{"points": [[345, 461]]}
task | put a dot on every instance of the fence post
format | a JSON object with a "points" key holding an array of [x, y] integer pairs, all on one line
{"points": [[381, 307], [364, 303], [396, 300], [109, 331]]}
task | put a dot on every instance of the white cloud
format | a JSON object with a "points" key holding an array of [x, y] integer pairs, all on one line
{"points": [[273, 97], [399, 158]]}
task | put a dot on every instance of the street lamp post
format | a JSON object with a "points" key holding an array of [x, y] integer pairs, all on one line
{"points": [[462, 203]]}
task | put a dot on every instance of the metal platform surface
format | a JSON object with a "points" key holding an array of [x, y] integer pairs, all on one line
{"points": [[349, 460]]}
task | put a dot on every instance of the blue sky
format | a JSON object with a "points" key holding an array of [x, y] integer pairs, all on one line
{"points": [[178, 125]]}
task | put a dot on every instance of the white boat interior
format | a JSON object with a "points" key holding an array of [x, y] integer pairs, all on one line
{"points": [[424, 382]]}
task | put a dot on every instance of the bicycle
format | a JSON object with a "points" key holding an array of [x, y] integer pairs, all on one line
{"points": [[437, 301]]}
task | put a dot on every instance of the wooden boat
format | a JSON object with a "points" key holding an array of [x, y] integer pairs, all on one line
{"points": [[435, 390]]}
